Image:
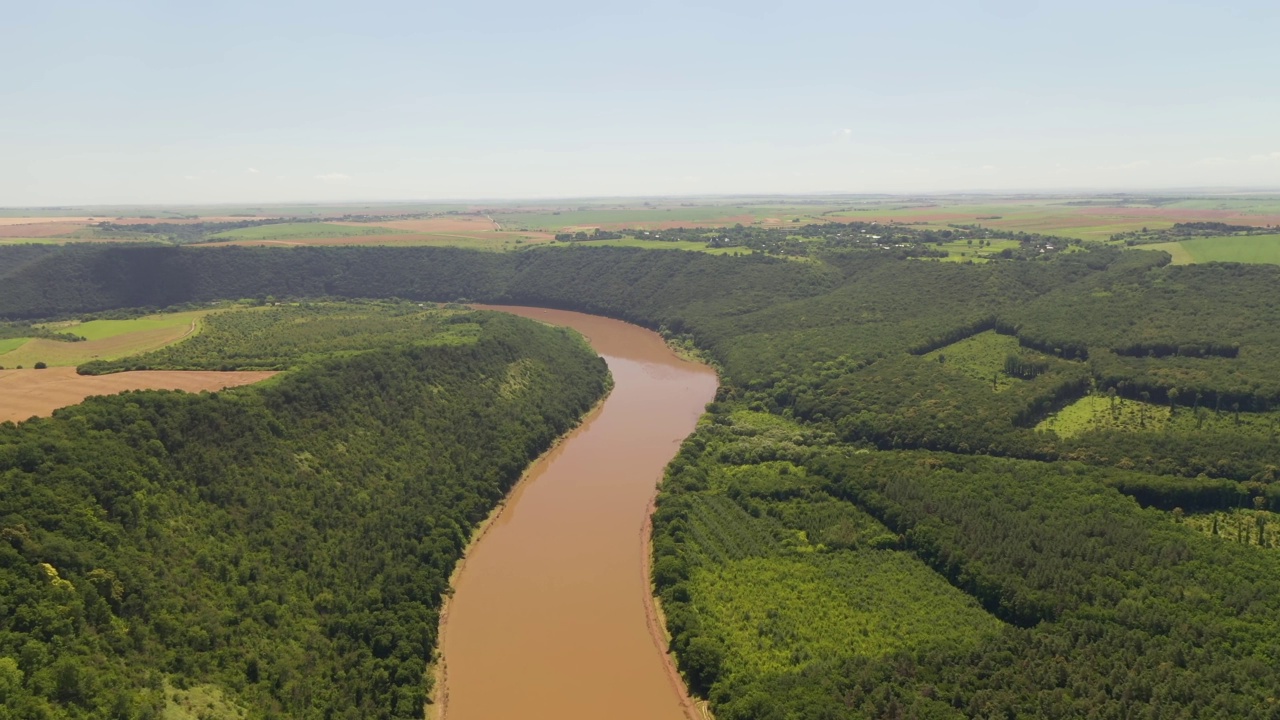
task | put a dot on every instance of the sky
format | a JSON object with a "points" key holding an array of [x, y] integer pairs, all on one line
{"points": [[232, 102]]}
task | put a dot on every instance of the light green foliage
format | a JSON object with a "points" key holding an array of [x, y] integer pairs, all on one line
{"points": [[777, 615], [1098, 411], [1238, 525], [199, 702], [286, 231]]}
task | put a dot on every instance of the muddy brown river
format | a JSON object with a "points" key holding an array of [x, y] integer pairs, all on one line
{"points": [[548, 617]]}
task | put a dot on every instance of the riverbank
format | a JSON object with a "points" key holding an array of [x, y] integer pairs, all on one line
{"points": [[552, 612]]}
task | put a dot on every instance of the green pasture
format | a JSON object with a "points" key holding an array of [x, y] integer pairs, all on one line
{"points": [[104, 340], [103, 329], [10, 344], [1259, 249]]}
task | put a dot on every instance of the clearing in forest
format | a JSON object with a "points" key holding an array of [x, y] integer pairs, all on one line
{"points": [[1104, 412]]}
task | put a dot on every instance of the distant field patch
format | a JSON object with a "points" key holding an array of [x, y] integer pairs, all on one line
{"points": [[298, 231], [30, 241], [443, 224], [106, 340], [491, 241], [661, 245], [1176, 251], [39, 229], [1261, 249]]}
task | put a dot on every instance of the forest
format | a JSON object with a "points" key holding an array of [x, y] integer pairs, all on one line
{"points": [[1044, 486], [283, 546]]}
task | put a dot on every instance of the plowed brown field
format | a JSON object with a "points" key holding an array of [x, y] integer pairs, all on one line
{"points": [[28, 393]]}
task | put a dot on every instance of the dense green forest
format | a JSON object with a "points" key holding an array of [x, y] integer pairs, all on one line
{"points": [[284, 546], [1037, 487]]}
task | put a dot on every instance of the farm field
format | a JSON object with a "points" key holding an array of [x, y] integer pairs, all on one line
{"points": [[104, 340], [1096, 219], [1263, 249], [292, 231], [37, 393]]}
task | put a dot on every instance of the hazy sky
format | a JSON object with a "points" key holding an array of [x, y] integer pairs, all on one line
{"points": [[158, 102]]}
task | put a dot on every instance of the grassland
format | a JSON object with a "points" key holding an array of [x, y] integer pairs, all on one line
{"points": [[1099, 412], [104, 340]]}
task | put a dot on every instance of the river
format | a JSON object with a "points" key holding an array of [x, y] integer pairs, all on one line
{"points": [[548, 617]]}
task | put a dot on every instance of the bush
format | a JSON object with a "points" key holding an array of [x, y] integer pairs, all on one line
{"points": [[40, 366]]}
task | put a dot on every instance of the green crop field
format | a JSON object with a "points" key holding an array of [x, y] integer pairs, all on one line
{"points": [[300, 231], [1264, 249]]}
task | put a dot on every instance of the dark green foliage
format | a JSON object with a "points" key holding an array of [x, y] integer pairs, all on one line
{"points": [[289, 543], [861, 455]]}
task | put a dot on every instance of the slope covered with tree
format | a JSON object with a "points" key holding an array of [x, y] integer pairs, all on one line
{"points": [[286, 544]]}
